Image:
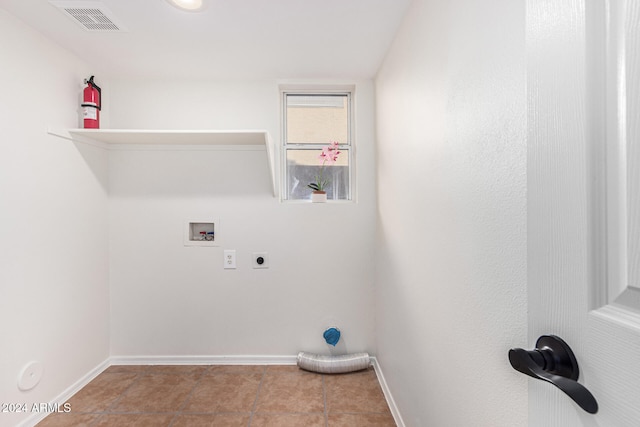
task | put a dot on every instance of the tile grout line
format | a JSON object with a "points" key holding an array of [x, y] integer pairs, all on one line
{"points": [[255, 402], [188, 398], [139, 375], [324, 401]]}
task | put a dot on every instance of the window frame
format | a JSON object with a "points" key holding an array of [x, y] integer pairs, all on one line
{"points": [[348, 147]]}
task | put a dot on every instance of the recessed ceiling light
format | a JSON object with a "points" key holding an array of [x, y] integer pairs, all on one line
{"points": [[188, 5]]}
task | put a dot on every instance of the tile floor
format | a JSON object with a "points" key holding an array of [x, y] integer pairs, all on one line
{"points": [[226, 396]]}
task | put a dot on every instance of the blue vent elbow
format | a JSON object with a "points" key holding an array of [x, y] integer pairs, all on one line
{"points": [[332, 336]]}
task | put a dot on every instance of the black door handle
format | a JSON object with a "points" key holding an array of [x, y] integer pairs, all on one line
{"points": [[553, 361]]}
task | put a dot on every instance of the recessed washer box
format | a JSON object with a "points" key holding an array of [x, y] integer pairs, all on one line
{"points": [[204, 232]]}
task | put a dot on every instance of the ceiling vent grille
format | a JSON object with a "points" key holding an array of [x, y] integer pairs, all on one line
{"points": [[91, 15]]}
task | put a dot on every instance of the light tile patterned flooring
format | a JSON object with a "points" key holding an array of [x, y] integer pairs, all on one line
{"points": [[226, 396]]}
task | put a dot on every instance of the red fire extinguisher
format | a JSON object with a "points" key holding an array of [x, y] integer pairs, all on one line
{"points": [[91, 104]]}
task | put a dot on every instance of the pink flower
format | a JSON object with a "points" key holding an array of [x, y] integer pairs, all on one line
{"points": [[330, 153]]}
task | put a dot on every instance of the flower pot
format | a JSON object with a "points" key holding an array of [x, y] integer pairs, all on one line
{"points": [[319, 196]]}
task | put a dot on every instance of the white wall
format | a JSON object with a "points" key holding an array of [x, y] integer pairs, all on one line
{"points": [[53, 222], [167, 299], [451, 270]]}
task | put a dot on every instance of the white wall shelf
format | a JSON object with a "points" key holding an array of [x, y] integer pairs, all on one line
{"points": [[118, 139]]}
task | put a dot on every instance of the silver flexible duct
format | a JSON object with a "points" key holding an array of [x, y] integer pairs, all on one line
{"points": [[333, 364]]}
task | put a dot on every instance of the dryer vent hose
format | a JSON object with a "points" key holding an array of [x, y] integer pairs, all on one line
{"points": [[333, 364]]}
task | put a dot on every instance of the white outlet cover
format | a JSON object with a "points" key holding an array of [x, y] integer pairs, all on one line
{"points": [[229, 259]]}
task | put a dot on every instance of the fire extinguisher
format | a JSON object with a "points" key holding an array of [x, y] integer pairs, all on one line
{"points": [[91, 104]]}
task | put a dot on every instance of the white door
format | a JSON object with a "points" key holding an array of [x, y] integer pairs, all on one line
{"points": [[583, 92]]}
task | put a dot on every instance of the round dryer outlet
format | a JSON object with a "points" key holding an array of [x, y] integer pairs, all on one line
{"points": [[260, 260]]}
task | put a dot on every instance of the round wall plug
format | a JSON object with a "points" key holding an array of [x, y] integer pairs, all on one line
{"points": [[260, 260]]}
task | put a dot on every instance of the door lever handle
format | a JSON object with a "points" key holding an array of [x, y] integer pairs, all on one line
{"points": [[553, 361]]}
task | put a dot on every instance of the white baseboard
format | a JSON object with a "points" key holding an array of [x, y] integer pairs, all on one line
{"points": [[200, 360], [387, 393], [203, 360], [66, 395]]}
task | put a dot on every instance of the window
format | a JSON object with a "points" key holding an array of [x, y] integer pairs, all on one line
{"points": [[311, 122]]}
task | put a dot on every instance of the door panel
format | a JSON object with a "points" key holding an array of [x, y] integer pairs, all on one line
{"points": [[583, 77]]}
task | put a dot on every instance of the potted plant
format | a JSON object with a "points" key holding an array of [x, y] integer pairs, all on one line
{"points": [[328, 155]]}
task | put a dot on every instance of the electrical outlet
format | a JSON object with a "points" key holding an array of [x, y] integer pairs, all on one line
{"points": [[229, 258], [260, 260]]}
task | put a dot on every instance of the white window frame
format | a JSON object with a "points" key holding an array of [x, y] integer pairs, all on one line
{"points": [[348, 147]]}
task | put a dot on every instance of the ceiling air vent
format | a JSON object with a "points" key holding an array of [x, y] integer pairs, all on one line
{"points": [[91, 15]]}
